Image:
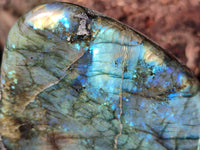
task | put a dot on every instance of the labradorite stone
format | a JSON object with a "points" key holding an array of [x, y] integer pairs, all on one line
{"points": [[74, 79]]}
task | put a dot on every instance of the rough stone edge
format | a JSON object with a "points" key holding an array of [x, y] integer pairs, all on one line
{"points": [[2, 147]]}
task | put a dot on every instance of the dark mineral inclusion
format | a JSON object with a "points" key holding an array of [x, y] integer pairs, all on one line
{"points": [[74, 79]]}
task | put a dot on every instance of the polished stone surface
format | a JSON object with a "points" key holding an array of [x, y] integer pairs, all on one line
{"points": [[74, 79]]}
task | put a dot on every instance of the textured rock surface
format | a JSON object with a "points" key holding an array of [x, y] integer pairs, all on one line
{"points": [[75, 79], [173, 24]]}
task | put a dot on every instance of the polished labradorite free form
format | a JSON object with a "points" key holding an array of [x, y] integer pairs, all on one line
{"points": [[74, 79]]}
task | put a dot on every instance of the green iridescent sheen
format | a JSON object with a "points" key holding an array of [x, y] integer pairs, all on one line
{"points": [[73, 79]]}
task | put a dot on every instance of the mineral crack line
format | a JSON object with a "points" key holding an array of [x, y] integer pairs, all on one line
{"points": [[120, 103]]}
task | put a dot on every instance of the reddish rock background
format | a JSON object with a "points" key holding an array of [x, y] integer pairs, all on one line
{"points": [[174, 24]]}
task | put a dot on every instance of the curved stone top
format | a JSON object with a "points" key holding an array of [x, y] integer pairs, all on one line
{"points": [[73, 78]]}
